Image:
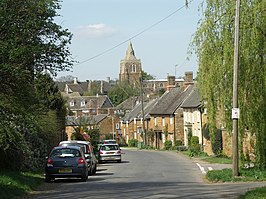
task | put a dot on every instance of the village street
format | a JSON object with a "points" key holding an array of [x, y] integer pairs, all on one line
{"points": [[146, 174]]}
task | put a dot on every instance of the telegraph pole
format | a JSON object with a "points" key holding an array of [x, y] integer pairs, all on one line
{"points": [[235, 110], [142, 111]]}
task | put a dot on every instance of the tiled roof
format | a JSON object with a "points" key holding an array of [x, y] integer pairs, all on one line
{"points": [[95, 119], [128, 104], [170, 101], [101, 101], [193, 100], [137, 111], [75, 88]]}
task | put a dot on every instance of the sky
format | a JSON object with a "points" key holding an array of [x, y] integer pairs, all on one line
{"points": [[159, 30]]}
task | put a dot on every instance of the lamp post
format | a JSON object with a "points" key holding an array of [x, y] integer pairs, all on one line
{"points": [[175, 69]]}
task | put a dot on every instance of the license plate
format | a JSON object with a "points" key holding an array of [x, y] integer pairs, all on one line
{"points": [[110, 153], [65, 170]]}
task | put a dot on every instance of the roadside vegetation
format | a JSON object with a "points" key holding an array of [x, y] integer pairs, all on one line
{"points": [[259, 193], [16, 183]]}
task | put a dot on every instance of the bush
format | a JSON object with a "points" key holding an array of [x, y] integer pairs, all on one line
{"points": [[194, 146], [167, 145], [133, 143], [178, 143]]}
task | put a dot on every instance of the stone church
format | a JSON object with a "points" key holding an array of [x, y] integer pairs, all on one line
{"points": [[130, 67]]}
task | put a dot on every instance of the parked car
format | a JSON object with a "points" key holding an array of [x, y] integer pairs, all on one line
{"points": [[66, 162], [109, 142], [109, 152], [88, 151]]}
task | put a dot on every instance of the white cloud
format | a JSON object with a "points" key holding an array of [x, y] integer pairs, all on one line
{"points": [[95, 31]]}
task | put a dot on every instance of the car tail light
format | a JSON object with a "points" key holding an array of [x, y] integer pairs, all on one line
{"points": [[119, 152], [81, 161], [50, 163], [101, 152]]}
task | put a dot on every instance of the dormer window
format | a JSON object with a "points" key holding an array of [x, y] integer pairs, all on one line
{"points": [[72, 103], [83, 103]]}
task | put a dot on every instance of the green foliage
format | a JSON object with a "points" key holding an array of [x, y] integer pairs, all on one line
{"points": [[168, 145], [189, 136], [214, 45], [122, 91], [217, 142], [32, 112], [258, 193], [226, 175], [133, 143], [178, 143], [16, 184], [94, 137], [194, 147], [146, 76]]}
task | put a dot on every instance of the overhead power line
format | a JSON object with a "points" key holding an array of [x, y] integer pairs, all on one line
{"points": [[136, 35]]}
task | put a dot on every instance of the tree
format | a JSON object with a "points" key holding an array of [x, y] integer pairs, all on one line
{"points": [[31, 111], [146, 76], [214, 45], [122, 91]]}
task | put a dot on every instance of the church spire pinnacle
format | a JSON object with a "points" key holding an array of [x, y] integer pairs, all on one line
{"points": [[130, 54]]}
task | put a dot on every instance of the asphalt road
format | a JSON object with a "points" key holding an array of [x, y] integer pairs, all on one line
{"points": [[144, 174]]}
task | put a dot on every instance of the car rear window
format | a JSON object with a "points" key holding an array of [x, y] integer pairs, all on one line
{"points": [[82, 146], [65, 153], [109, 147]]}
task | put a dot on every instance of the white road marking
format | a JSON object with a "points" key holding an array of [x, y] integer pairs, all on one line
{"points": [[210, 168], [201, 168]]}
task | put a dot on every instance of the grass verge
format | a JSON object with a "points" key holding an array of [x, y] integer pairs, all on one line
{"points": [[15, 183], [259, 193], [226, 175]]}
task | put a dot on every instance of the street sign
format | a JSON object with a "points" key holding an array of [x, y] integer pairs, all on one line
{"points": [[235, 113], [117, 126]]}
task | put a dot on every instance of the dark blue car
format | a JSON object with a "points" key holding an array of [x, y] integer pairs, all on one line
{"points": [[66, 162]]}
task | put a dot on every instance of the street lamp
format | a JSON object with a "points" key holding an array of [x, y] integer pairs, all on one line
{"points": [[175, 69]]}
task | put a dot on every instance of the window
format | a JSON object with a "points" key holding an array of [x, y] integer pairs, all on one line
{"points": [[155, 122], [163, 121], [72, 103], [133, 68], [83, 103], [171, 119]]}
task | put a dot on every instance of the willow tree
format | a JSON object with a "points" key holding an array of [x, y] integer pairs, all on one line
{"points": [[214, 45]]}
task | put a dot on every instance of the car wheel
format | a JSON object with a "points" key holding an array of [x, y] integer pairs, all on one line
{"points": [[94, 170], [119, 161], [90, 172], [84, 178]]}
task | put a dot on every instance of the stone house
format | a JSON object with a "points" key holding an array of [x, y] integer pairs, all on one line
{"points": [[104, 122], [89, 105], [192, 112], [166, 117], [132, 124]]}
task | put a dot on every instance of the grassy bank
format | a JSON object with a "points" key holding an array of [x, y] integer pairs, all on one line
{"points": [[13, 183]]}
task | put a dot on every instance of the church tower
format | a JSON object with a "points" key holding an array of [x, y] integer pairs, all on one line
{"points": [[130, 67]]}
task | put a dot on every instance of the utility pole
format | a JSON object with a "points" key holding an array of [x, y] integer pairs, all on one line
{"points": [[142, 111], [235, 110]]}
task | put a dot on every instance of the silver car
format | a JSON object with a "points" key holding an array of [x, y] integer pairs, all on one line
{"points": [[110, 152]]}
